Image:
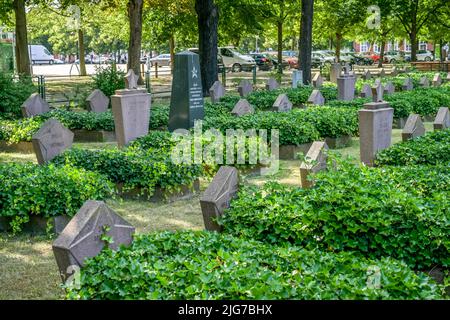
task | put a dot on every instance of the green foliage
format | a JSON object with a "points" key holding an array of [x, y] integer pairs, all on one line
{"points": [[28, 189], [432, 148], [401, 213], [203, 265], [13, 93], [109, 79]]}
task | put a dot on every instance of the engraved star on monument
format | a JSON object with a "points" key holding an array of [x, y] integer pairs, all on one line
{"points": [[131, 80], [194, 73]]}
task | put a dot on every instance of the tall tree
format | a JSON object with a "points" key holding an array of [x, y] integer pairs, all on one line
{"points": [[305, 44], [22, 53], [135, 8], [208, 20]]}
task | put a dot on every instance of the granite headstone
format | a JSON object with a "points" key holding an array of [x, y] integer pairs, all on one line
{"points": [[34, 106], [97, 101], [316, 98], [245, 87], [272, 84], [242, 107], [315, 160], [282, 103], [217, 91], [413, 127], [442, 120]]}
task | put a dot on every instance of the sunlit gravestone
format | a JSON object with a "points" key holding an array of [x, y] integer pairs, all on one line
{"points": [[413, 128], [34, 106], [245, 88], [316, 98], [408, 84], [346, 85], [437, 80], [242, 107], [335, 71], [317, 80], [442, 120], [366, 91], [315, 161], [282, 103], [297, 78], [272, 84], [97, 101]]}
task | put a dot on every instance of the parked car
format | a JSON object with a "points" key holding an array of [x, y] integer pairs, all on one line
{"points": [[40, 55], [220, 65], [422, 55], [273, 55], [293, 62], [323, 57], [263, 62], [161, 60], [394, 56], [360, 60], [58, 61], [346, 57], [235, 60]]}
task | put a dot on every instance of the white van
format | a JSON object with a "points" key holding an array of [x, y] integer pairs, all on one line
{"points": [[39, 54], [232, 59]]}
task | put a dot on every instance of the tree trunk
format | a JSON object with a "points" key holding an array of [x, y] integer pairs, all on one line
{"points": [[413, 39], [305, 43], [383, 44], [208, 21], [82, 54], [134, 47], [441, 51], [21, 49], [280, 46], [172, 51], [338, 47]]}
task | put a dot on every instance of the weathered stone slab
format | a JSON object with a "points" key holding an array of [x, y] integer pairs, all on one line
{"points": [[442, 120], [424, 82], [216, 92], [272, 84], [282, 103], [245, 87], [297, 78], [317, 80], [366, 91], [217, 197], [413, 128], [335, 71], [82, 135], [316, 98], [97, 101], [389, 88], [316, 160], [346, 86], [34, 105], [242, 107], [437, 80], [382, 73], [408, 84], [51, 140], [82, 237]]}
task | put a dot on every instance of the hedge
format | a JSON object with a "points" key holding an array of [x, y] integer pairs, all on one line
{"points": [[27, 189], [202, 265], [13, 93], [433, 148], [402, 213]]}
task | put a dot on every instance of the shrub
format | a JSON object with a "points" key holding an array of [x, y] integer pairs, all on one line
{"points": [[201, 265], [82, 120], [109, 79], [378, 212], [432, 148], [13, 93], [27, 189]]}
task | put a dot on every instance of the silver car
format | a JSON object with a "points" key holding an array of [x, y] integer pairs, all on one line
{"points": [[161, 60]]}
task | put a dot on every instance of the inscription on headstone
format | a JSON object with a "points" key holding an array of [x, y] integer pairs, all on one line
{"points": [[34, 105], [315, 161], [97, 101], [413, 127], [282, 103]]}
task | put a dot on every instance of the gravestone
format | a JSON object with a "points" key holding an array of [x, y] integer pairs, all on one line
{"points": [[316, 98], [366, 91], [34, 105], [218, 196], [424, 82], [81, 238], [375, 129], [282, 103], [377, 82], [316, 160], [437, 80], [394, 72], [97, 101], [367, 75], [297, 78], [272, 84], [442, 120], [245, 87], [377, 92], [389, 88], [217, 91], [382, 73], [186, 102], [317, 80], [413, 127], [241, 108], [335, 71], [51, 140], [408, 84], [346, 85]]}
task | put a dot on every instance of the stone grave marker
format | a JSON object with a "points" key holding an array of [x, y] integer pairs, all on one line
{"points": [[297, 78], [186, 103], [81, 238], [442, 120], [394, 72], [217, 91], [377, 82], [366, 91], [346, 85], [437, 80], [97, 101], [367, 75], [389, 88], [377, 92], [382, 73], [272, 84], [375, 129], [316, 160], [408, 84], [218, 195], [245, 87], [424, 82], [335, 71], [282, 103], [317, 80], [413, 127], [316, 98], [51, 140], [242, 107], [34, 105]]}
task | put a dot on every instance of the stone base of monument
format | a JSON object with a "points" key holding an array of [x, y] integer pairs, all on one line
{"points": [[18, 147], [182, 192], [289, 152], [38, 224], [339, 142], [94, 136]]}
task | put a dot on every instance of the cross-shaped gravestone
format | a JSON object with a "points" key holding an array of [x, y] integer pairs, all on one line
{"points": [[282, 103], [316, 98], [241, 108], [366, 91], [424, 82], [217, 197], [34, 105], [367, 75], [437, 80], [408, 84], [51, 140], [84, 235], [413, 127], [216, 92], [442, 120], [315, 161], [97, 101], [389, 88], [245, 87], [317, 80], [377, 93], [272, 84], [131, 80]]}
